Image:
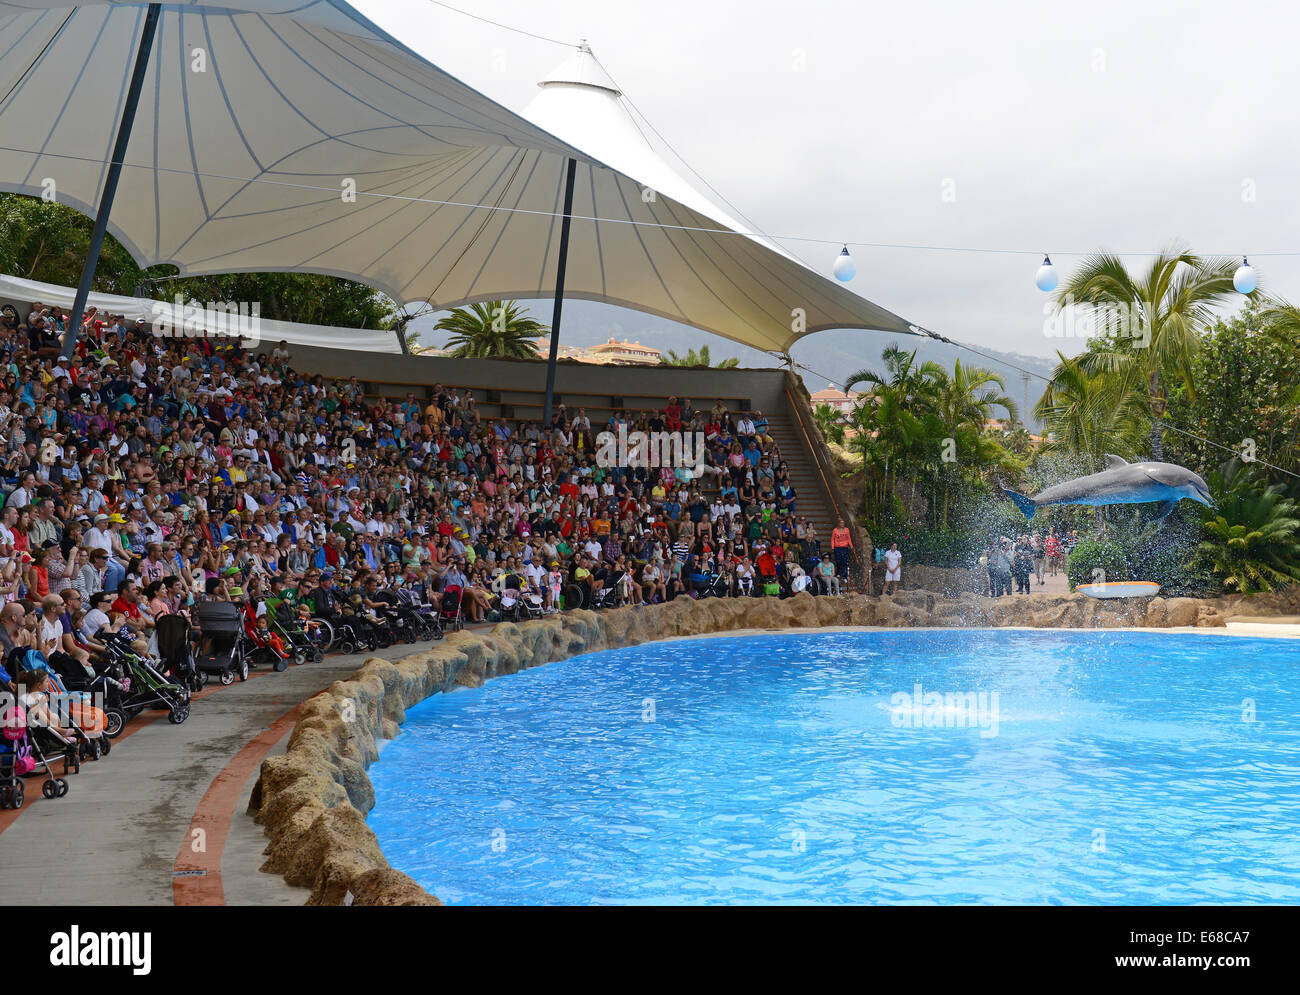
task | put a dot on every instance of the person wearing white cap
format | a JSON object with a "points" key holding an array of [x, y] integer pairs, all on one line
{"points": [[97, 536]]}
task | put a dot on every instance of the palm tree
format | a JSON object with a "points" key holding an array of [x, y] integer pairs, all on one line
{"points": [[924, 424], [964, 402], [492, 329], [1151, 320], [831, 423], [965, 395], [893, 422], [1281, 320], [902, 374], [692, 358], [1092, 413]]}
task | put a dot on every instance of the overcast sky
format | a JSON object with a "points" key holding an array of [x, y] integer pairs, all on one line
{"points": [[1049, 126]]}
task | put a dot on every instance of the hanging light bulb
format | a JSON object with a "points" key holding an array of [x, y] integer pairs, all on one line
{"points": [[845, 268], [1244, 279], [1046, 277]]}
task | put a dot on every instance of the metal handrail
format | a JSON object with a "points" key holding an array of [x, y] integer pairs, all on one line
{"points": [[818, 458]]}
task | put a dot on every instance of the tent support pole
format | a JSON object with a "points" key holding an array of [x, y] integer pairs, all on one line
{"points": [[559, 295], [114, 173]]}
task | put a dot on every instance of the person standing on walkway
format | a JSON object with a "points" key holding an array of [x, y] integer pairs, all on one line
{"points": [[1022, 564], [1052, 546], [841, 543], [893, 569], [1000, 567], [1040, 556]]}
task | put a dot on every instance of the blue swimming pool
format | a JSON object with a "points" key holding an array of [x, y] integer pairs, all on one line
{"points": [[861, 767]]}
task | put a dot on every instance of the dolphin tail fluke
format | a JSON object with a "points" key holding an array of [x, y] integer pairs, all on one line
{"points": [[1026, 505]]}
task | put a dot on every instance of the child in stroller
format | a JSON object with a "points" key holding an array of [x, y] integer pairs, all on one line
{"points": [[263, 643], [37, 730], [20, 750]]}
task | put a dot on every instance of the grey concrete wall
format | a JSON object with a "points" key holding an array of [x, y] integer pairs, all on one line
{"points": [[527, 378]]}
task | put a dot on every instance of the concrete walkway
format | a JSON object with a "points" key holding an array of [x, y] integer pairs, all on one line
{"points": [[125, 826]]}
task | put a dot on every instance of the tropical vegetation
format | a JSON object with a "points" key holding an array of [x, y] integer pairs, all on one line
{"points": [[492, 330], [693, 358], [923, 430], [1180, 368]]}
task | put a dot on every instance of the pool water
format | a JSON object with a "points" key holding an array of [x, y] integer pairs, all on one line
{"points": [[861, 767]]}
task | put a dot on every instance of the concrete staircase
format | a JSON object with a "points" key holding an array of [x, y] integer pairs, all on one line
{"points": [[814, 503]]}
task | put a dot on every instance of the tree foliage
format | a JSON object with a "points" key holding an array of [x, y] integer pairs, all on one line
{"points": [[921, 430], [492, 329], [1253, 534], [1151, 322], [693, 358]]}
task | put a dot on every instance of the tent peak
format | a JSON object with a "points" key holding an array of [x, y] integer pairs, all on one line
{"points": [[582, 69]]}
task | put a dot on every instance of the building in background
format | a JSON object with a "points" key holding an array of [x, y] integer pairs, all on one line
{"points": [[837, 399]]}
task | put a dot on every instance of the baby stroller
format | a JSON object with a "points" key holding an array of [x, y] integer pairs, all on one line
{"points": [[74, 709], [105, 690], [422, 617], [173, 633], [450, 616], [531, 604], [304, 640], [263, 645], [507, 603], [607, 597], [708, 582], [138, 684], [21, 755], [222, 650], [354, 632]]}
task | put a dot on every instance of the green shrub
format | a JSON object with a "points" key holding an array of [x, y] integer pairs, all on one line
{"points": [[1091, 555]]}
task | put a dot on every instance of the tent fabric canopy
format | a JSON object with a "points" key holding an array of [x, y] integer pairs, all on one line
{"points": [[257, 116]]}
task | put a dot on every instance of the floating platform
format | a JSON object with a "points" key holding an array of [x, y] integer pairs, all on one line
{"points": [[1120, 589]]}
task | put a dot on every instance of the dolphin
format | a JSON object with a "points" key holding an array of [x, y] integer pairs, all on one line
{"points": [[1122, 483]]}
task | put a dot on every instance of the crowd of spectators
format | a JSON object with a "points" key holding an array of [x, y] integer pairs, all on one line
{"points": [[1026, 559], [146, 473]]}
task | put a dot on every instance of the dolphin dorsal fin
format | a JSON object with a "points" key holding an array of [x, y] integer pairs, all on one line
{"points": [[1114, 462]]}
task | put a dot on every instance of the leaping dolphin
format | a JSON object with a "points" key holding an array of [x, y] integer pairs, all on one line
{"points": [[1122, 483]]}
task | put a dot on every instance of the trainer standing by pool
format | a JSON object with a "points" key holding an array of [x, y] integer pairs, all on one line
{"points": [[893, 569], [840, 546]]}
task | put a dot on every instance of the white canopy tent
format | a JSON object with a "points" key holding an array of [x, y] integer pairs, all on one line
{"points": [[22, 293], [258, 118]]}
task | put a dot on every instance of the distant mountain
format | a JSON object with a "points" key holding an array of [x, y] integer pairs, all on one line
{"points": [[831, 354]]}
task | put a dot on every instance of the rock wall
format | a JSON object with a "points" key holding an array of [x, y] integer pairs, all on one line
{"points": [[313, 801], [949, 581]]}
